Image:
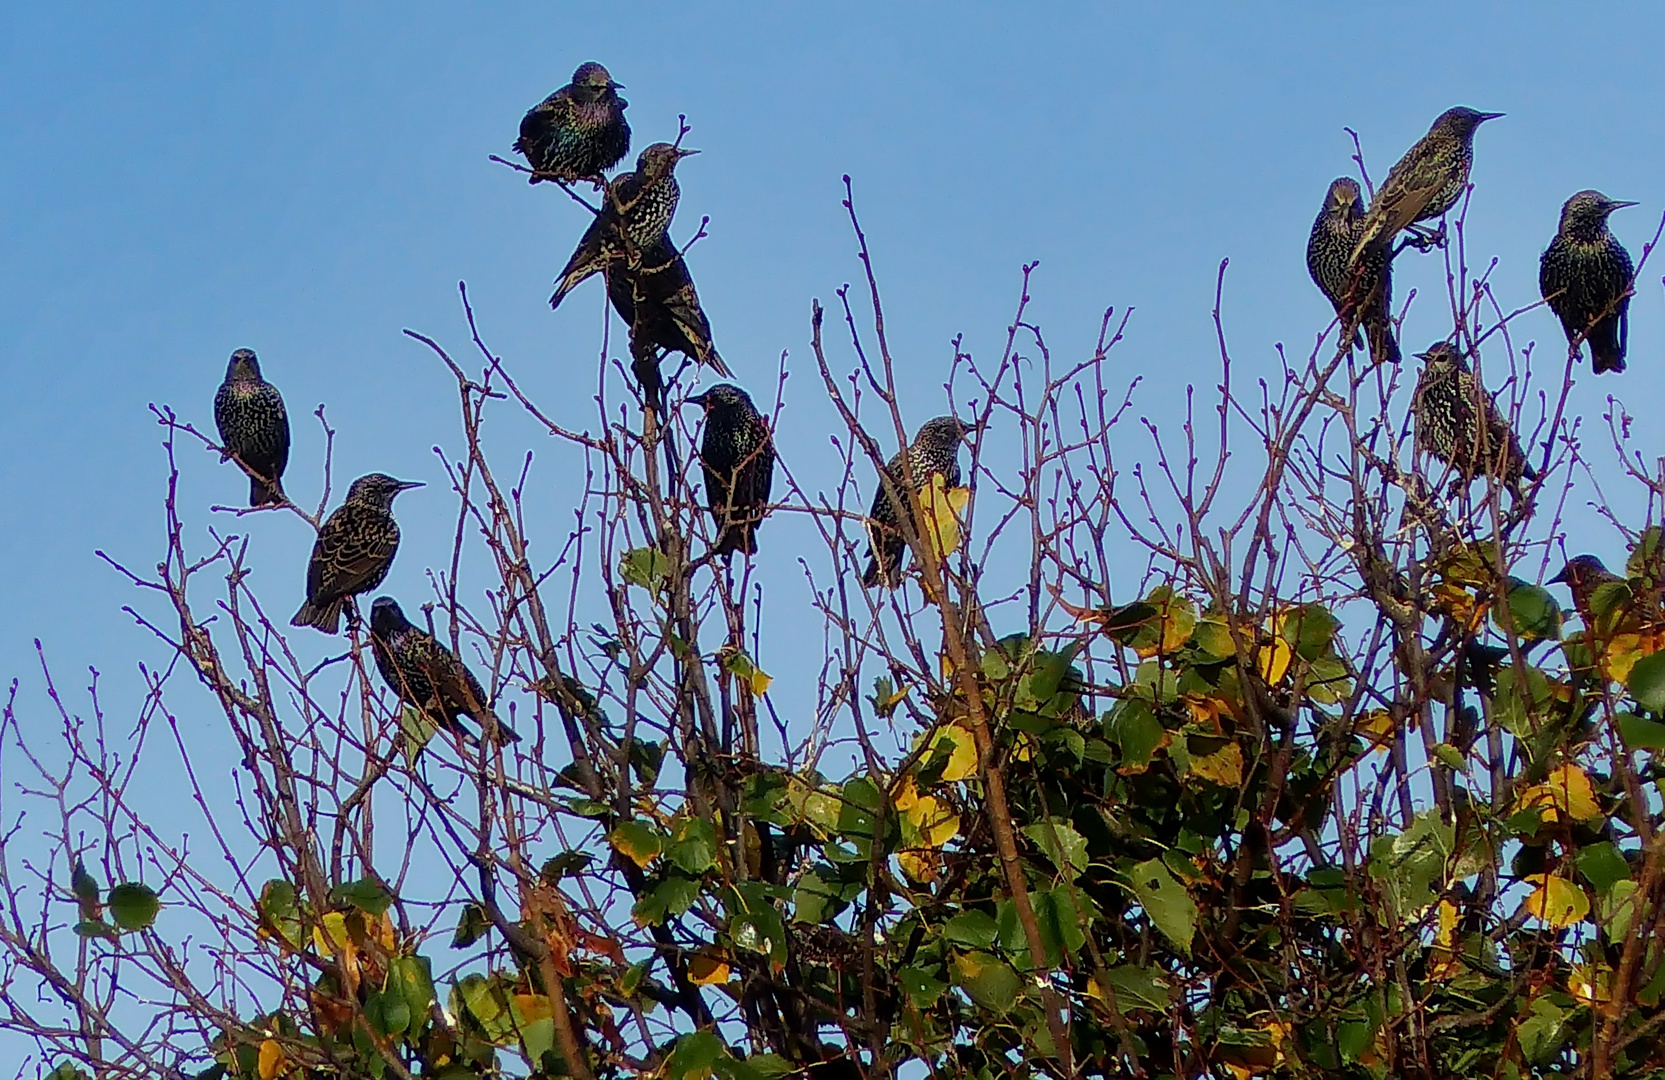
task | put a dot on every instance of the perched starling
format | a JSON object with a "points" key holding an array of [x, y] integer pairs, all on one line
{"points": [[1428, 180], [1583, 575], [353, 552], [426, 674], [935, 449], [634, 219], [738, 454], [1335, 234], [253, 427], [579, 131], [1586, 275], [1448, 404], [658, 301]]}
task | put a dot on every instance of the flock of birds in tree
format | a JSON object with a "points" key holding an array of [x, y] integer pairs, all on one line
{"points": [[579, 132], [573, 136]]}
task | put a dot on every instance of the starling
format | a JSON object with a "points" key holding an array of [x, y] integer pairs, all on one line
{"points": [[579, 131], [1335, 234], [1428, 180], [657, 299], [1584, 574], [353, 552], [1446, 402], [254, 428], [738, 454], [427, 675], [634, 219], [935, 449], [1586, 275]]}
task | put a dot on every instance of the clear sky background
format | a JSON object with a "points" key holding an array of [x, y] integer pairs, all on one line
{"points": [[180, 180]]}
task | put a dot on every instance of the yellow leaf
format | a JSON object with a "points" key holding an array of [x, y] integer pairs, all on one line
{"points": [[1556, 901], [906, 795], [921, 866], [1376, 725], [1023, 747], [936, 821], [1176, 619], [1272, 661], [1565, 792], [331, 934], [962, 760], [760, 682], [384, 931], [1591, 984], [533, 1007], [635, 842], [1224, 766], [1444, 963], [271, 1059], [706, 970], [942, 506]]}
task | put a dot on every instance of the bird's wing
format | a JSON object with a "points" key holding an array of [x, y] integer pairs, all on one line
{"points": [[590, 258], [351, 554]]}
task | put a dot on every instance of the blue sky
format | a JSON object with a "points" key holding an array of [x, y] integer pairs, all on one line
{"points": [[180, 180]]}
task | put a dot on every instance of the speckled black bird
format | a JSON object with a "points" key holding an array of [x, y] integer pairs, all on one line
{"points": [[935, 449], [634, 219], [1427, 181], [353, 552], [427, 675], [1459, 423], [579, 131], [1335, 234], [658, 301], [254, 427], [738, 455], [1586, 275], [1583, 575]]}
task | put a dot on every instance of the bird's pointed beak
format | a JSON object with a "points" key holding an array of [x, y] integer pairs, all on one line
{"points": [[683, 152], [1559, 579], [696, 399], [406, 485], [611, 85], [1620, 204], [1424, 355], [1490, 116]]}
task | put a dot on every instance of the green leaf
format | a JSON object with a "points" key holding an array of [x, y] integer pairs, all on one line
{"points": [[923, 988], [83, 884], [1309, 630], [693, 847], [636, 841], [1533, 611], [646, 567], [472, 925], [418, 729], [671, 897], [367, 894], [1139, 988], [1124, 623], [1639, 733], [1059, 923], [1212, 640], [694, 1056], [1647, 682], [1539, 1034], [280, 912], [1616, 910], [1133, 726], [1066, 848], [990, 981], [133, 906], [1602, 865], [411, 977], [564, 865], [1167, 903], [976, 929]]}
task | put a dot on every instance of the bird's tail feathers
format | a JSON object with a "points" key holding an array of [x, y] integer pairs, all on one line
{"points": [[266, 492], [325, 617]]}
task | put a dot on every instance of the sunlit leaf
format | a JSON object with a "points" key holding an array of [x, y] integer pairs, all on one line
{"points": [[1272, 660], [1224, 766], [1064, 846], [962, 760], [1555, 901], [1565, 793], [943, 507], [1165, 900], [646, 567], [705, 969], [271, 1059], [1308, 629], [636, 841]]}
